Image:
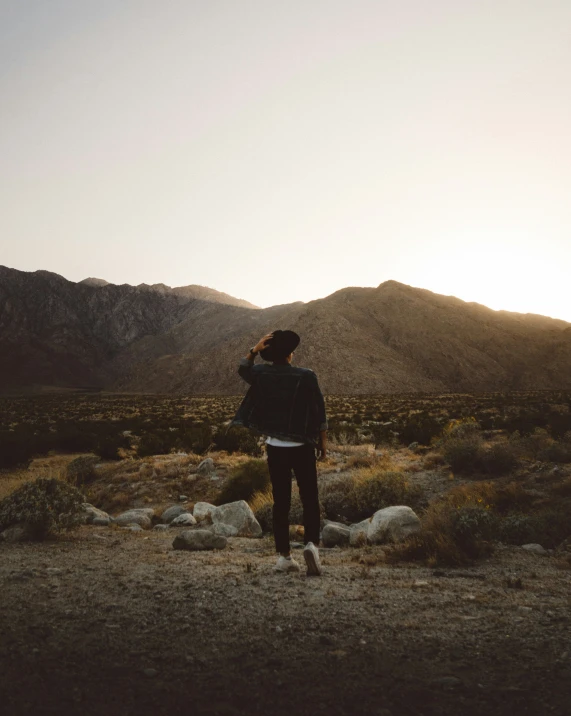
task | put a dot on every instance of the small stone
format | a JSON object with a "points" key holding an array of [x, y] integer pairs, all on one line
{"points": [[206, 467], [160, 528], [534, 548], [186, 519], [393, 524], [137, 516], [133, 528], [335, 533], [150, 673], [446, 682], [239, 515], [203, 511], [182, 498], [172, 513], [198, 540], [419, 584]]}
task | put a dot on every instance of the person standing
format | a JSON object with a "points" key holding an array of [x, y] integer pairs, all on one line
{"points": [[284, 402]]}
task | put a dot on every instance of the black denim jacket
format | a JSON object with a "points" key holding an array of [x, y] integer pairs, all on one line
{"points": [[283, 401]]}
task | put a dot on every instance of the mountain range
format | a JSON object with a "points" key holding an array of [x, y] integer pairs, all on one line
{"points": [[55, 333]]}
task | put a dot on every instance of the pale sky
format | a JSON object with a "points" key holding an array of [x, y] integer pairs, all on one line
{"points": [[279, 151]]}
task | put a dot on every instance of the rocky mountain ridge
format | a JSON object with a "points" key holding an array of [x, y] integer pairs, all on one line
{"points": [[389, 339]]}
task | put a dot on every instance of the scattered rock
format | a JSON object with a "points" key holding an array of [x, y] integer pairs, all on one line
{"points": [[206, 467], [335, 533], [172, 513], [17, 533], [138, 516], [446, 682], [95, 516], [160, 528], [133, 528], [150, 673], [220, 528], [182, 498], [185, 519], [239, 515], [534, 548], [413, 446], [203, 511], [199, 540], [358, 533], [393, 524]]}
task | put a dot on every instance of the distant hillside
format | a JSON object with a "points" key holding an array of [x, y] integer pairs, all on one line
{"points": [[392, 338]]}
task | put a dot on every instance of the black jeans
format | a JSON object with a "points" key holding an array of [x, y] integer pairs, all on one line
{"points": [[281, 462]]}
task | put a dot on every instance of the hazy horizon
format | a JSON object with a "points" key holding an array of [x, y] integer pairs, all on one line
{"points": [[280, 152]]}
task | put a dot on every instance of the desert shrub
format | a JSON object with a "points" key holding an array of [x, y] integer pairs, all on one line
{"points": [[14, 449], [45, 506], [450, 536], [497, 459], [107, 446], [154, 444], [420, 428], [237, 439], [81, 471], [195, 438], [559, 424], [559, 452], [464, 449], [358, 496], [262, 504], [548, 528], [246, 479]]}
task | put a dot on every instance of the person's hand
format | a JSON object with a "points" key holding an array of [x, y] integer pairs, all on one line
{"points": [[322, 452], [262, 343]]}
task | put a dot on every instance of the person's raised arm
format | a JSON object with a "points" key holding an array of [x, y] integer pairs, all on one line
{"points": [[247, 363]]}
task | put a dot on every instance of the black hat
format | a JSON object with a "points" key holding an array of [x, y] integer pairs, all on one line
{"points": [[280, 345]]}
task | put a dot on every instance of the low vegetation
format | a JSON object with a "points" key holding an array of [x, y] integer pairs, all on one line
{"points": [[44, 506], [499, 460]]}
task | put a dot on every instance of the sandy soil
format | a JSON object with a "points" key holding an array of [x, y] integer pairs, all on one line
{"points": [[107, 621]]}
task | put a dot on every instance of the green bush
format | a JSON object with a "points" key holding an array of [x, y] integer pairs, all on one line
{"points": [[548, 528], [237, 439], [464, 449], [195, 438], [81, 471], [44, 506], [420, 428], [358, 496], [246, 479]]}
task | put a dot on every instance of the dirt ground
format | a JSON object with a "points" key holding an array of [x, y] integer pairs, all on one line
{"points": [[107, 621]]}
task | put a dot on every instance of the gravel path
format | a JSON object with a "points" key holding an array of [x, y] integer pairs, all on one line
{"points": [[105, 621]]}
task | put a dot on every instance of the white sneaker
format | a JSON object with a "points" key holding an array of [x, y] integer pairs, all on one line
{"points": [[311, 556], [286, 564]]}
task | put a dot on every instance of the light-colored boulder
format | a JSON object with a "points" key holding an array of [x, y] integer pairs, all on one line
{"points": [[16, 533], [239, 515], [172, 512], [185, 519], [203, 511], [534, 548], [220, 528], [393, 524], [199, 540], [334, 534], [136, 517], [95, 516], [358, 533], [206, 467]]}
